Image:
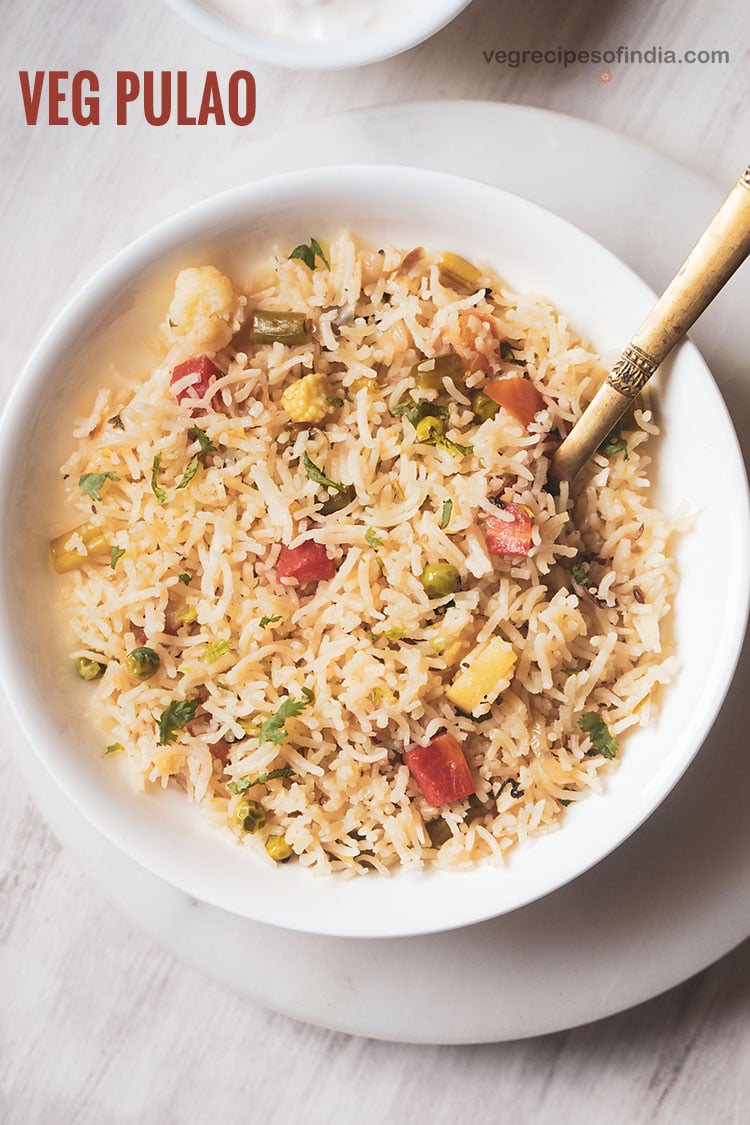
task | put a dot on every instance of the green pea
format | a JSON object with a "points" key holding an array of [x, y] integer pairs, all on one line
{"points": [[483, 406], [278, 848], [250, 816], [143, 663], [429, 428], [440, 579], [89, 669]]}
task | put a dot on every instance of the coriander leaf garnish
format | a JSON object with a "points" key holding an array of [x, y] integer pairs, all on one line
{"points": [[273, 729], [115, 556], [178, 714], [214, 651], [453, 447], [335, 400], [309, 254], [186, 578], [421, 410], [402, 407], [113, 748], [309, 695], [91, 483], [371, 538], [190, 471], [445, 519], [265, 621], [248, 781], [204, 441], [316, 474], [158, 492], [614, 443], [508, 353], [580, 575], [595, 727]]}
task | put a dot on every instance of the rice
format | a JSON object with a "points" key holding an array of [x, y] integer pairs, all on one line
{"points": [[360, 663]]}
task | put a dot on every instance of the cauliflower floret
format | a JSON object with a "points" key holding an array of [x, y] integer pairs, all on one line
{"points": [[205, 311], [305, 399]]}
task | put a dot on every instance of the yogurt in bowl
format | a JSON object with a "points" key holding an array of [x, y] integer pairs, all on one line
{"points": [[319, 34]]}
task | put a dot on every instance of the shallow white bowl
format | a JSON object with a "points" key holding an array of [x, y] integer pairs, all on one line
{"points": [[698, 464], [394, 35]]}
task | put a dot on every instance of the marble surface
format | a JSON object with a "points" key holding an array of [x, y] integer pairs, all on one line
{"points": [[97, 1023]]}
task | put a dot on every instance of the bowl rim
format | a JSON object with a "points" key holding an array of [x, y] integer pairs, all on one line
{"points": [[337, 54], [136, 257]]}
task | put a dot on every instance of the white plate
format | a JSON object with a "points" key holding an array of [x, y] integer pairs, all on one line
{"points": [[535, 251], [665, 904]]}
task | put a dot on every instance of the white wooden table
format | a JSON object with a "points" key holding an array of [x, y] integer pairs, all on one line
{"points": [[97, 1023]]}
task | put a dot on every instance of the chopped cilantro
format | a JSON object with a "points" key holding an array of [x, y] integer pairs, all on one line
{"points": [[178, 714], [372, 540], [453, 447], [214, 651], [614, 443], [265, 621], [186, 578], [248, 781], [422, 410], [273, 728], [309, 254], [91, 483], [335, 400], [445, 519], [115, 556], [158, 492], [393, 634], [508, 353], [204, 441], [402, 407], [580, 575], [314, 473], [595, 727]]}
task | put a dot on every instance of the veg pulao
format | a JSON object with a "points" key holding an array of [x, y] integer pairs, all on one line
{"points": [[317, 581]]}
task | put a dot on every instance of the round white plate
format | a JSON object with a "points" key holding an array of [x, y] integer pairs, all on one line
{"points": [[675, 896]]}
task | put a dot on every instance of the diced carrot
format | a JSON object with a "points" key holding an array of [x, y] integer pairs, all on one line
{"points": [[519, 396]]}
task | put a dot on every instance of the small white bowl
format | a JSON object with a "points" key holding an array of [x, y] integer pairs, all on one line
{"points": [[399, 30], [698, 464]]}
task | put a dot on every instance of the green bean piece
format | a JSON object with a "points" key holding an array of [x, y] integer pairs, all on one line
{"points": [[483, 406], [278, 848], [440, 579], [438, 831], [430, 373], [338, 501], [143, 663], [250, 816], [429, 428], [89, 669], [278, 327]]}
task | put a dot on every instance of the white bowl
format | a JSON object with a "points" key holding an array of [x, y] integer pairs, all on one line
{"points": [[399, 30], [698, 464]]}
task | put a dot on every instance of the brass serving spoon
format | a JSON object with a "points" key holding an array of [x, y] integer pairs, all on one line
{"points": [[721, 250]]}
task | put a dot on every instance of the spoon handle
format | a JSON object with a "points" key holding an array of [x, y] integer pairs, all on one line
{"points": [[721, 250]]}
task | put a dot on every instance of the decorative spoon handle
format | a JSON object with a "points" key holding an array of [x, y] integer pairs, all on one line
{"points": [[721, 250]]}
